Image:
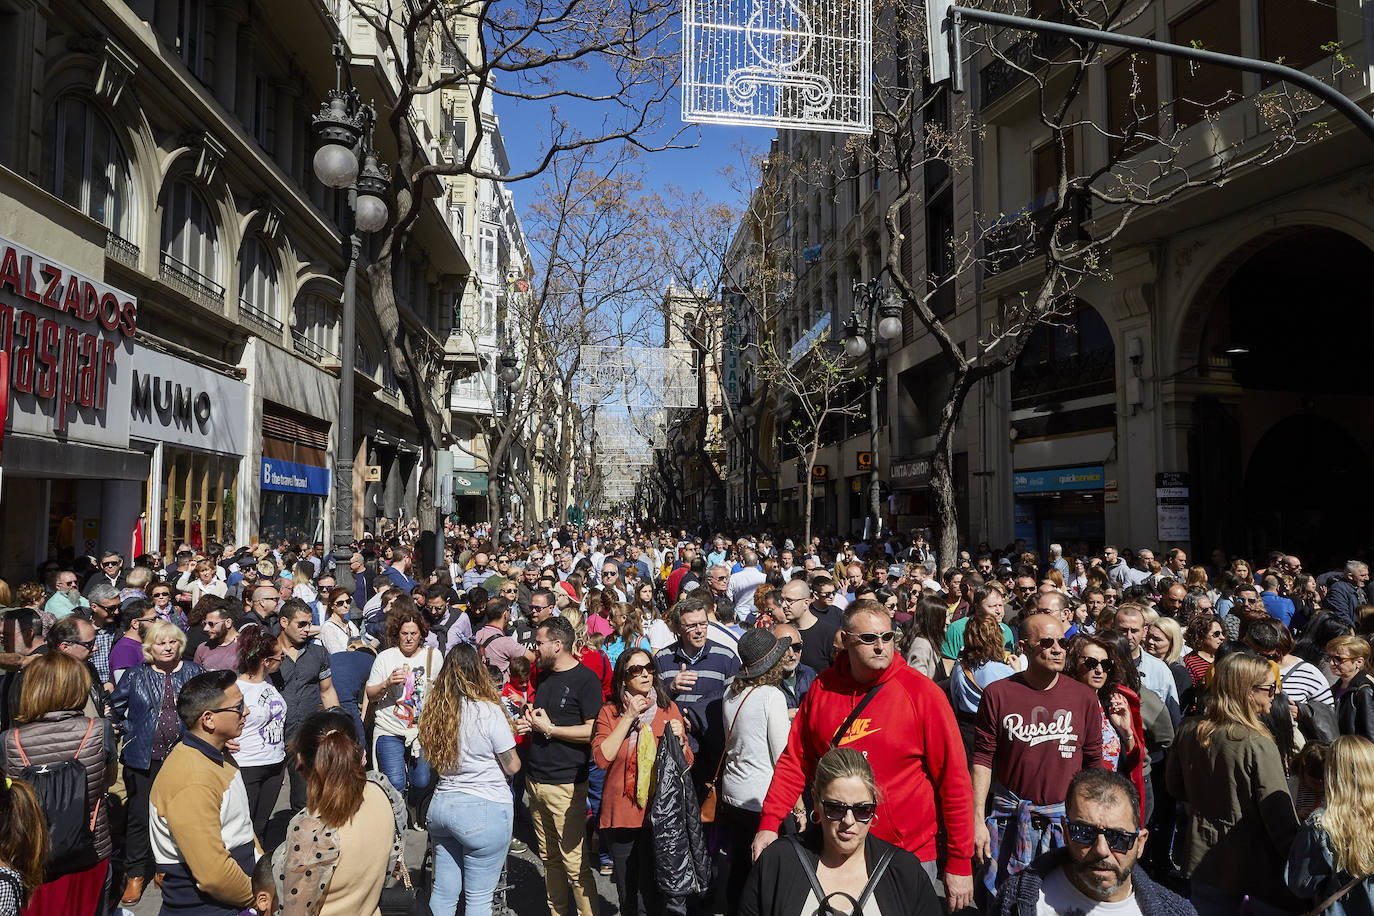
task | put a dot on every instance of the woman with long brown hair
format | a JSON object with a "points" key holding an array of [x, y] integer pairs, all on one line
{"points": [[262, 743], [23, 845], [1227, 771], [348, 837], [338, 630], [470, 743]]}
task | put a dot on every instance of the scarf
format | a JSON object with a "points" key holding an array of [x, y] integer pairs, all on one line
{"points": [[639, 769]]}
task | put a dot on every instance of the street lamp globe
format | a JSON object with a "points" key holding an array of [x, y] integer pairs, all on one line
{"points": [[335, 165], [370, 214], [890, 328], [510, 369], [855, 346]]}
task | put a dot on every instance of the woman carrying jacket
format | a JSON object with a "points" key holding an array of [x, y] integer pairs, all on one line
{"points": [[1336, 844], [1227, 771], [51, 728], [145, 710], [624, 738], [795, 877]]}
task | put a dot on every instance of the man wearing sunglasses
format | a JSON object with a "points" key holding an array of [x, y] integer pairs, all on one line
{"points": [[1098, 865], [1034, 731], [906, 730], [111, 572], [72, 636], [220, 651]]}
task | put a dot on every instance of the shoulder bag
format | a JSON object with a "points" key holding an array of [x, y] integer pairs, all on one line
{"points": [[708, 804], [856, 906], [1329, 902]]}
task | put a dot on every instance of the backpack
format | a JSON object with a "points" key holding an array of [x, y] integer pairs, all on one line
{"points": [[61, 791]]}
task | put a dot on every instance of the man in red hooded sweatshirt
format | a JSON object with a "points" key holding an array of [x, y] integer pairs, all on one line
{"points": [[907, 731]]}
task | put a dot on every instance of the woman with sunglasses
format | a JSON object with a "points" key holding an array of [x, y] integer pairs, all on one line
{"points": [[1348, 657], [262, 744], [1205, 635], [842, 867], [1097, 661], [338, 631], [624, 743], [1228, 773]]}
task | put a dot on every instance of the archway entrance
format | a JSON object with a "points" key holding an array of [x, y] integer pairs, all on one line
{"points": [[1281, 438]]}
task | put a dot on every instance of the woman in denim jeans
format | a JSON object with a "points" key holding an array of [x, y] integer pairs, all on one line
{"points": [[399, 686], [470, 743]]}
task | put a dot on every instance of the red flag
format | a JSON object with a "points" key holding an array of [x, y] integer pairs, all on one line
{"points": [[136, 545]]}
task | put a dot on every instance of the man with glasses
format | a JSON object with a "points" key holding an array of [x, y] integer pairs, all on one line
{"points": [[303, 679], [68, 596], [797, 677], [543, 605], [1035, 730], [111, 572], [442, 618], [137, 613], [817, 633], [220, 651], [71, 636], [1154, 674], [610, 578], [201, 826], [105, 616], [262, 609], [873, 702], [695, 671], [1097, 870], [823, 592]]}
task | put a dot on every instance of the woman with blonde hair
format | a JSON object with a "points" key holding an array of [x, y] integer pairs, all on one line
{"points": [[1164, 640], [1332, 860], [470, 743], [1228, 773], [1348, 657], [204, 578]]}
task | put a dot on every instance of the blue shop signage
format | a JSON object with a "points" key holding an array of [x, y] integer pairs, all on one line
{"points": [[1055, 479], [289, 477]]}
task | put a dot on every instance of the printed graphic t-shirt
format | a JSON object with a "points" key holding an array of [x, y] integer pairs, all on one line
{"points": [[263, 740], [399, 708], [1035, 740]]}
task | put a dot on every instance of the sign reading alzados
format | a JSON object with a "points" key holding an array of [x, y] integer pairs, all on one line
{"points": [[65, 333]]}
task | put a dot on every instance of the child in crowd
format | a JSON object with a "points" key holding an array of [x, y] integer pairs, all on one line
{"points": [[264, 889]]}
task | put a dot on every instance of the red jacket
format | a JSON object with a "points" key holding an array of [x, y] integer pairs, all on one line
{"points": [[911, 740]]}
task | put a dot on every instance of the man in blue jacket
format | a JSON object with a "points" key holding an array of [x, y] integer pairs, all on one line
{"points": [[1098, 863]]}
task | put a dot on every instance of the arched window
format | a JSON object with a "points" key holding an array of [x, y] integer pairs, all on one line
{"points": [[190, 246], [259, 292], [1073, 357], [85, 165], [316, 329]]}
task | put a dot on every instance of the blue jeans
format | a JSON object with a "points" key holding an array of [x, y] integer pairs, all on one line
{"points": [[400, 772], [471, 837]]}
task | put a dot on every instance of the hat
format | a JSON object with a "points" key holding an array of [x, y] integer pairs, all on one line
{"points": [[127, 604], [759, 650], [896, 571], [572, 592]]}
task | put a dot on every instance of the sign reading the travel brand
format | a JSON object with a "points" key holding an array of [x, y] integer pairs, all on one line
{"points": [[176, 401], [289, 477], [66, 334], [1057, 479]]}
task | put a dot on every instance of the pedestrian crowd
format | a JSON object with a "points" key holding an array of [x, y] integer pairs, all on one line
{"points": [[719, 724]]}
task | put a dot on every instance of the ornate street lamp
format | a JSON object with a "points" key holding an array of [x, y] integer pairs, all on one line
{"points": [[346, 161], [879, 312]]}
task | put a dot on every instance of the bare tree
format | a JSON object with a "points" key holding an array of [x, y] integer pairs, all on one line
{"points": [[541, 54]]}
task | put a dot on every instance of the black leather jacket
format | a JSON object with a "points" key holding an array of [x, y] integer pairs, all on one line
{"points": [[1355, 712]]}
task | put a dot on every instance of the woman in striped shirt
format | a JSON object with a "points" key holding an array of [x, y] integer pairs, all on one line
{"points": [[1205, 635]]}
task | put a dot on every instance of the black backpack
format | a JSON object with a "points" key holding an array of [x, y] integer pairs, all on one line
{"points": [[61, 791]]}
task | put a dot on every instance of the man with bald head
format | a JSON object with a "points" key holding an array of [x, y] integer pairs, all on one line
{"points": [[1035, 730], [744, 583], [1171, 601]]}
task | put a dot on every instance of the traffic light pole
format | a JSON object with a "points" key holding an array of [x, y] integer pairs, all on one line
{"points": [[943, 28]]}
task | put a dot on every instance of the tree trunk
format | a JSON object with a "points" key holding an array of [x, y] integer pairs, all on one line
{"points": [[942, 471]]}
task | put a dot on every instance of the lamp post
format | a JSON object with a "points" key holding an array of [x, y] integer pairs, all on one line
{"points": [[346, 161], [877, 314]]}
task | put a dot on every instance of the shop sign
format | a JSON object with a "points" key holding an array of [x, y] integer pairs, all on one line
{"points": [[907, 474], [179, 402], [290, 477], [1171, 506], [469, 483], [730, 350], [66, 335], [865, 461], [820, 472], [1057, 479]]}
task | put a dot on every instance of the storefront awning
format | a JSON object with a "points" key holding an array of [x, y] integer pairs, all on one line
{"points": [[469, 483]]}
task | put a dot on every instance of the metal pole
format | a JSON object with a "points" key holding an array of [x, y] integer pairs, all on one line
{"points": [[1338, 100], [343, 460], [874, 500]]}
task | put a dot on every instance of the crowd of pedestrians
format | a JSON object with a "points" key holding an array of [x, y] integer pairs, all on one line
{"points": [[720, 724]]}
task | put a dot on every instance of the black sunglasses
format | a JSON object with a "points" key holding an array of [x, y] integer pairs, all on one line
{"points": [[870, 639], [835, 811], [637, 670], [1049, 642], [1092, 664], [342, 602], [1085, 834]]}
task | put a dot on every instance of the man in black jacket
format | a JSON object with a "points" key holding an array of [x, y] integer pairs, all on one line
{"points": [[1098, 865]]}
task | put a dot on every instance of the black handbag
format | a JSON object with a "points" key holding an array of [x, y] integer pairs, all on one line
{"points": [[402, 898]]}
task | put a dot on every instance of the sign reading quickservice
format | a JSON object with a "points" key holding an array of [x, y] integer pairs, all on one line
{"points": [[289, 477], [1056, 479]]}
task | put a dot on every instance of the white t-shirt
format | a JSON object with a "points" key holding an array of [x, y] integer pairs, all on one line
{"points": [[336, 638], [263, 740], [659, 633], [408, 696], [756, 742], [484, 733], [1058, 897]]}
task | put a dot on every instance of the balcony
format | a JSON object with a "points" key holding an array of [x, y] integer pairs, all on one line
{"points": [[448, 149], [1029, 54], [1079, 376], [122, 250], [307, 347], [192, 283], [449, 59], [260, 319], [490, 212]]}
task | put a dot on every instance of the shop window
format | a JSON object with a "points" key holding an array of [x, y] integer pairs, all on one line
{"points": [[1073, 358], [258, 286], [189, 238], [200, 499], [1200, 89], [85, 165]]}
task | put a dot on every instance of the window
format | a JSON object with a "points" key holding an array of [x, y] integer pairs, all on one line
{"points": [[258, 287], [1293, 31], [1202, 88], [264, 122], [316, 329], [188, 233], [86, 166], [488, 259], [190, 37], [1073, 358], [1047, 170], [1132, 92]]}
